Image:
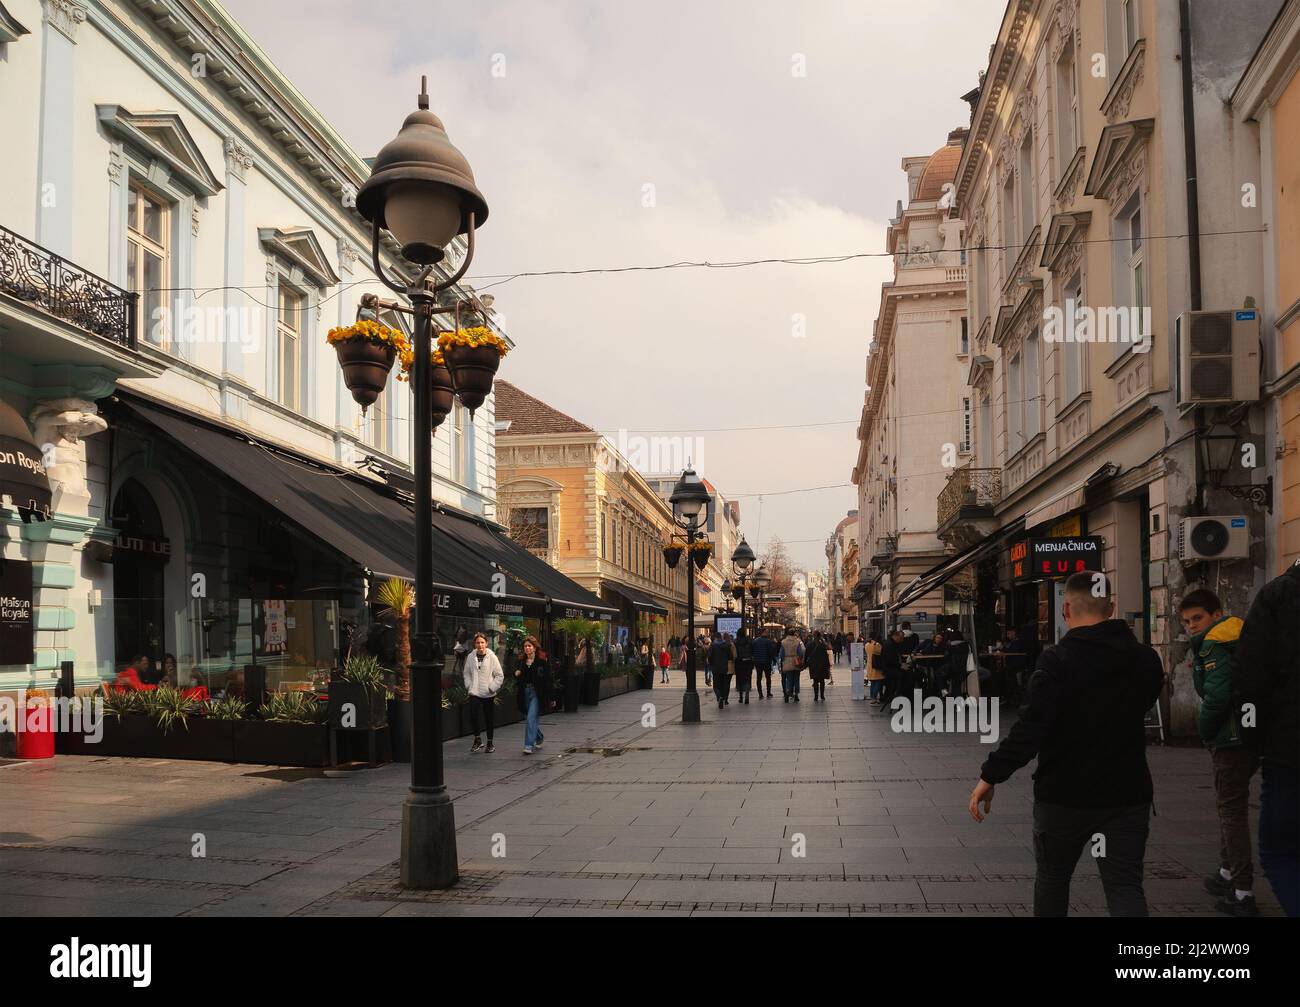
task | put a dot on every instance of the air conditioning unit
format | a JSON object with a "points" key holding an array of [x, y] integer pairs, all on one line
{"points": [[1218, 357], [1213, 538]]}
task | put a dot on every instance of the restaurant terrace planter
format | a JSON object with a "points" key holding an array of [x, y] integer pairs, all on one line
{"points": [[369, 709], [280, 743]]}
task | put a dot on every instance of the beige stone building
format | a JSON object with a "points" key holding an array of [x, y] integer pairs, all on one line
{"points": [[565, 492], [1088, 452], [916, 412]]}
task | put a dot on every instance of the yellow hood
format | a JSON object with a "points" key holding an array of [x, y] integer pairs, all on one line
{"points": [[1226, 630]]}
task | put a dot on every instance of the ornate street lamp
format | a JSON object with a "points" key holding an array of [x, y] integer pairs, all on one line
{"points": [[741, 560], [762, 581], [422, 190], [690, 498]]}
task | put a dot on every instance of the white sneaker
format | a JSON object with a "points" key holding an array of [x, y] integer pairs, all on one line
{"points": [[537, 744], [527, 750]]}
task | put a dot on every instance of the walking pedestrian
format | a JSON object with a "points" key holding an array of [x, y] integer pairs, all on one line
{"points": [[875, 674], [792, 655], [1086, 723], [837, 646], [702, 659], [722, 656], [1213, 637], [819, 666], [483, 679], [665, 662], [764, 654], [744, 665], [891, 668], [532, 689], [1267, 673]]}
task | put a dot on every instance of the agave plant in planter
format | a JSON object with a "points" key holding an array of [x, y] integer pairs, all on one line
{"points": [[357, 694], [366, 351], [472, 356]]}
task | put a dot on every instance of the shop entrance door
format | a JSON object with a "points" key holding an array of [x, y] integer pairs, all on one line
{"points": [[139, 558]]}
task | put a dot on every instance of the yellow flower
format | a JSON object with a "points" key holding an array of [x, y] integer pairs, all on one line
{"points": [[478, 335]]}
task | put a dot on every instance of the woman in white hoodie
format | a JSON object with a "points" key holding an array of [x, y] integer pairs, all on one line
{"points": [[483, 677]]}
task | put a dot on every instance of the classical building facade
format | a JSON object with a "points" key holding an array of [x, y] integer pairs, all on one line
{"points": [[1073, 186], [1268, 96], [565, 492], [177, 235], [842, 564], [916, 413]]}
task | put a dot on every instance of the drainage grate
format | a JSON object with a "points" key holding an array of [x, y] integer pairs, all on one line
{"points": [[604, 752]]}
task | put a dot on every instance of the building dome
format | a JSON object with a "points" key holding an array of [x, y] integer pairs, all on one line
{"points": [[941, 168]]}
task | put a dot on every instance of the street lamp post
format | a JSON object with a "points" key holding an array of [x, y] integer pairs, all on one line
{"points": [[762, 581], [422, 191], [689, 498], [741, 561]]}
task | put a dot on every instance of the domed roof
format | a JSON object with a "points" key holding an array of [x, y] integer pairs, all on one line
{"points": [[941, 168]]}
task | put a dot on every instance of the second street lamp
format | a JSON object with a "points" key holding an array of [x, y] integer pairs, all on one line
{"points": [[422, 190], [689, 499], [741, 560]]}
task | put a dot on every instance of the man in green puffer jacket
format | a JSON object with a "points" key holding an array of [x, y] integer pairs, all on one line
{"points": [[1213, 647]]}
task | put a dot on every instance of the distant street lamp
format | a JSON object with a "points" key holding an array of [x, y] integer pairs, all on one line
{"points": [[762, 581], [421, 190], [689, 499], [741, 561]]}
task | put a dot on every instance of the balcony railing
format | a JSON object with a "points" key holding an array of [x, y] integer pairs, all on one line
{"points": [[886, 546], [40, 277], [969, 487]]}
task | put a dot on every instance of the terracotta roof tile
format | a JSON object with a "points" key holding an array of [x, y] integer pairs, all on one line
{"points": [[528, 415]]}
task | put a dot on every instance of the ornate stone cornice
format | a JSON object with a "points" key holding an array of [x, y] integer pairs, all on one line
{"points": [[1067, 27], [1120, 159], [1069, 184], [116, 162], [65, 16]]}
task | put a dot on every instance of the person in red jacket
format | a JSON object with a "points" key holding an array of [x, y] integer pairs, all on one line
{"points": [[665, 662]]}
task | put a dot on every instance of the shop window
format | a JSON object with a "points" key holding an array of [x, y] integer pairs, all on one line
{"points": [[148, 243]]}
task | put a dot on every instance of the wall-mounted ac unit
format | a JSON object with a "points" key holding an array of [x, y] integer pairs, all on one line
{"points": [[1201, 538], [1218, 356]]}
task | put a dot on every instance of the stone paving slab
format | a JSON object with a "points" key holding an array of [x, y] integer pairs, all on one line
{"points": [[689, 820]]}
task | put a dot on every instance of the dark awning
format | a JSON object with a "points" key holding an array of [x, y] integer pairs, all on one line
{"points": [[637, 597], [22, 466], [502, 553], [936, 576], [344, 511]]}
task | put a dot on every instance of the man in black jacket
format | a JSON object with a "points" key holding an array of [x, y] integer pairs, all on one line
{"points": [[1085, 720], [1266, 673]]}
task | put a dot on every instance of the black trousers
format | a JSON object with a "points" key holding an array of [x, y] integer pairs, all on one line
{"points": [[761, 673], [744, 672], [482, 709], [1117, 840], [819, 688], [722, 685]]}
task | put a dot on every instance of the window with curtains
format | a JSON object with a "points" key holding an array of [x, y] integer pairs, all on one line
{"points": [[148, 240]]}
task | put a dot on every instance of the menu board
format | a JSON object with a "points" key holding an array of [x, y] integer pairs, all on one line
{"points": [[16, 626]]}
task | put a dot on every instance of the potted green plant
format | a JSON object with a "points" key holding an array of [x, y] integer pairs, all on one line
{"points": [[357, 695], [396, 598], [591, 633]]}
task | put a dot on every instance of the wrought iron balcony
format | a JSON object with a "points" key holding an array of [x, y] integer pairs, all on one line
{"points": [[970, 491], [40, 277]]}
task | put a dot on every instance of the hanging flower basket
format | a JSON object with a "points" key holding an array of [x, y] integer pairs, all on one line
{"points": [[443, 392], [700, 553], [366, 351], [473, 356], [672, 555]]}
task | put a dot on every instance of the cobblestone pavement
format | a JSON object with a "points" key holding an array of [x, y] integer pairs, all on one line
{"points": [[671, 820]]}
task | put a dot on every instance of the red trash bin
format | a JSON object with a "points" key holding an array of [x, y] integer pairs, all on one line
{"points": [[36, 730]]}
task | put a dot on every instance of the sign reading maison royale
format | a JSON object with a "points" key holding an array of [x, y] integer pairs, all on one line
{"points": [[22, 475], [16, 612]]}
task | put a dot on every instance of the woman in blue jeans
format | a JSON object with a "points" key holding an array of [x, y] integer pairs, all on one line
{"points": [[532, 678]]}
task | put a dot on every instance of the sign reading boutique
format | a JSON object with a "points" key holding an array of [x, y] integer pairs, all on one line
{"points": [[1050, 558]]}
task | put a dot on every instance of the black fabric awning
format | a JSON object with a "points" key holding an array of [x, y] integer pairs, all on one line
{"points": [[503, 554], [22, 466], [936, 576], [637, 597], [356, 517]]}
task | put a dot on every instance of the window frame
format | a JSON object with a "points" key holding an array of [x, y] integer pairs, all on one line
{"points": [[137, 238], [286, 291]]}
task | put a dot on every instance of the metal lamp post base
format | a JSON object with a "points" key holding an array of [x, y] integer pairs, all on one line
{"points": [[691, 708], [429, 842]]}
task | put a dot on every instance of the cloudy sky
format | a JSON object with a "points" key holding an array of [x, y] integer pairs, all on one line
{"points": [[634, 133]]}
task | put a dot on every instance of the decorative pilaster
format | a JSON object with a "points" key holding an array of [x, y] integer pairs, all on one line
{"points": [[65, 17]]}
